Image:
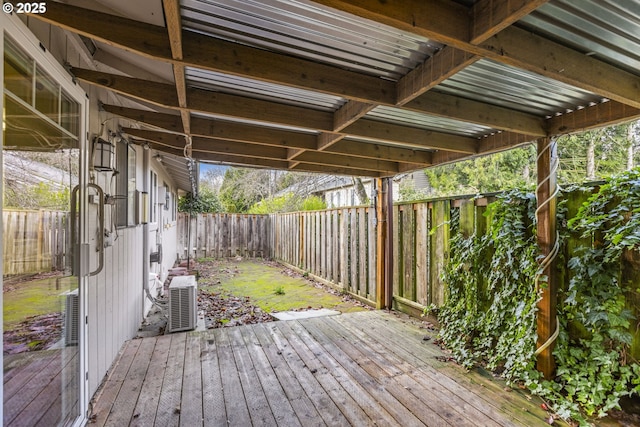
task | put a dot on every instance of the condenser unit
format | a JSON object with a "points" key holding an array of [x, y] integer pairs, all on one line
{"points": [[183, 306], [71, 316]]}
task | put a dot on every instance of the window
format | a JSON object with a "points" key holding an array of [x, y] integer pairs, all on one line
{"points": [[125, 185], [153, 198]]}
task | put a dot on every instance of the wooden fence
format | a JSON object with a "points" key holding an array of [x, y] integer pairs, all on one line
{"points": [[339, 245], [223, 235], [336, 245], [34, 241]]}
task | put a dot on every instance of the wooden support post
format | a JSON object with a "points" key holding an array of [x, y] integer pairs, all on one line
{"points": [[546, 216], [384, 249], [381, 236], [388, 280]]}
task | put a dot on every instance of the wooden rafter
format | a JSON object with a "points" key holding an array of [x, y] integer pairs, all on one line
{"points": [[483, 31], [267, 111], [247, 152], [512, 46], [174, 30], [214, 54], [467, 110]]}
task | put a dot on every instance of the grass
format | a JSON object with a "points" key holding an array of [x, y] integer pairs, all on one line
{"points": [[34, 298], [266, 286]]}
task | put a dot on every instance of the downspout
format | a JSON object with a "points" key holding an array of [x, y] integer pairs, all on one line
{"points": [[145, 226]]}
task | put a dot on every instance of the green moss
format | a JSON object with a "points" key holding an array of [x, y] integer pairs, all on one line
{"points": [[34, 298], [258, 281]]}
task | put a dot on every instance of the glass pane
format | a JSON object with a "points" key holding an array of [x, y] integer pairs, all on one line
{"points": [[18, 72], [69, 115], [131, 188], [47, 95]]}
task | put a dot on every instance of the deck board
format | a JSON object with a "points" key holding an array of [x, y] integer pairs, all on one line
{"points": [[367, 368]]}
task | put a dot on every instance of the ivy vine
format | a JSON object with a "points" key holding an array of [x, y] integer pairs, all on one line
{"points": [[489, 314]]}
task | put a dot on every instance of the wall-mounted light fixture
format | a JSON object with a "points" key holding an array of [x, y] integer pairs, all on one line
{"points": [[103, 155]]}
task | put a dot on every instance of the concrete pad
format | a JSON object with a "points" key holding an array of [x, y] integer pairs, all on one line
{"points": [[306, 314]]}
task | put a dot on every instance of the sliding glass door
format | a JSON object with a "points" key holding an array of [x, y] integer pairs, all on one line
{"points": [[43, 161]]}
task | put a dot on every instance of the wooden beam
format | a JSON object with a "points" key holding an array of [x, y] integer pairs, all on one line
{"points": [[381, 152], [240, 149], [216, 103], [410, 137], [512, 46], [349, 113], [223, 104], [432, 72], [169, 122], [211, 145], [492, 16], [212, 128], [467, 110], [324, 158], [174, 29], [546, 236], [219, 55], [520, 48], [487, 145], [229, 159], [590, 117], [335, 170], [446, 22], [327, 139], [174, 26]]}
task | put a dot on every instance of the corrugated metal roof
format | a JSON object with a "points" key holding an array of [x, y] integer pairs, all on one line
{"points": [[514, 88], [605, 29], [183, 172], [226, 83], [424, 121], [311, 31]]}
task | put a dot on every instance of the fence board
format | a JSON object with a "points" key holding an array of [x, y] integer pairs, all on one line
{"points": [[439, 248], [353, 252], [362, 252], [344, 248], [397, 256], [422, 253], [408, 252]]}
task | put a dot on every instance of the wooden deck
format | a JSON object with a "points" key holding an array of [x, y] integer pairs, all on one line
{"points": [[361, 369]]}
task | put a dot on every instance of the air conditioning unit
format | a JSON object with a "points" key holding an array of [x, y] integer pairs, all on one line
{"points": [[183, 305], [71, 318]]}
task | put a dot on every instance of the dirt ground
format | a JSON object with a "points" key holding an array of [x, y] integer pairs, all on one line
{"points": [[236, 291]]}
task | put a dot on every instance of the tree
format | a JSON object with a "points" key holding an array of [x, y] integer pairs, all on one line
{"points": [[595, 154], [206, 201], [499, 171], [242, 187]]}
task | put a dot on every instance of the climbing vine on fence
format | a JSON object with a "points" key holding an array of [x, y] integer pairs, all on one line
{"points": [[489, 314]]}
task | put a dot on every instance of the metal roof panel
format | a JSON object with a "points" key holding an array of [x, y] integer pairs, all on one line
{"points": [[214, 81], [514, 88], [424, 121], [605, 29], [303, 28]]}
